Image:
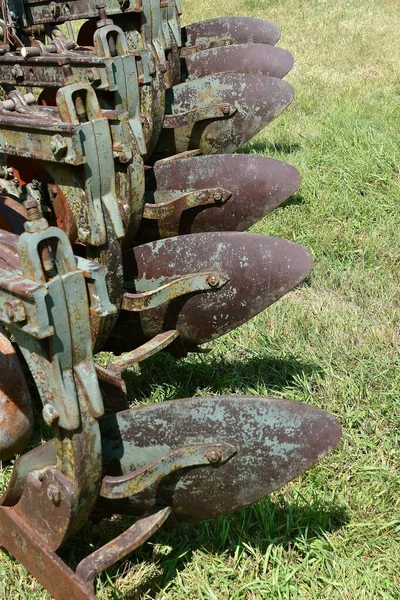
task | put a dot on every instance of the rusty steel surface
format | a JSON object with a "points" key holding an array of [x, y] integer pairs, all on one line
{"points": [[258, 99], [12, 214], [125, 543], [230, 30], [16, 414], [276, 440], [25, 543], [257, 186], [261, 269], [259, 59]]}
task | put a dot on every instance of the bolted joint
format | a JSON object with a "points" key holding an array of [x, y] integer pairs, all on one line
{"points": [[50, 415], [58, 146], [213, 280], [214, 456], [15, 310], [54, 494]]}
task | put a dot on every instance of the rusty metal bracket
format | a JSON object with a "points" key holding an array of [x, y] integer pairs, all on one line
{"points": [[162, 210], [124, 486], [112, 374], [196, 282], [200, 113]]}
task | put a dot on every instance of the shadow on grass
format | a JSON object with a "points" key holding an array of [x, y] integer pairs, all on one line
{"points": [[260, 526], [268, 149], [181, 379]]}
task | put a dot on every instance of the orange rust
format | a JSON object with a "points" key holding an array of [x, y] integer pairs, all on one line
{"points": [[16, 417]]}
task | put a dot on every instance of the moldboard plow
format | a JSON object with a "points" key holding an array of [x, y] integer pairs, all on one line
{"points": [[119, 231]]}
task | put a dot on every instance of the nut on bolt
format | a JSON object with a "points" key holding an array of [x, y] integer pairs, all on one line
{"points": [[214, 456], [213, 280], [54, 493], [58, 146], [15, 311], [50, 415]]}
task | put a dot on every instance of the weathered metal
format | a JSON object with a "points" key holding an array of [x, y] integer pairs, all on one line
{"points": [[259, 59], [257, 100], [16, 415], [261, 269], [256, 186], [227, 31], [81, 190]]}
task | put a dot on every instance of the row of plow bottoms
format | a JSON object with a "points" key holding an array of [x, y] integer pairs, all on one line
{"points": [[123, 216]]}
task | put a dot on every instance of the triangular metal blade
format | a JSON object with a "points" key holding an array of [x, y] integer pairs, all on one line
{"points": [[275, 440], [234, 30], [254, 101], [261, 269], [257, 185], [259, 59]]}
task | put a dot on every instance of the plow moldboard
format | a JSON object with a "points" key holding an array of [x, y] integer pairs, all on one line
{"points": [[234, 30], [275, 440], [261, 270], [259, 59], [258, 99], [258, 185]]}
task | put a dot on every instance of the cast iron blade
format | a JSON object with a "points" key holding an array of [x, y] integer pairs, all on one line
{"points": [[275, 440], [257, 99], [259, 59], [257, 184], [233, 30], [261, 269]]}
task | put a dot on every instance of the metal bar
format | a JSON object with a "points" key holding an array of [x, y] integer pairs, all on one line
{"points": [[123, 486], [29, 548], [197, 282], [161, 210], [200, 113], [124, 544]]}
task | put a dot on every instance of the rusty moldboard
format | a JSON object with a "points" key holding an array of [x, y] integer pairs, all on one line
{"points": [[261, 269], [259, 59], [257, 100], [227, 31], [275, 439], [257, 185]]}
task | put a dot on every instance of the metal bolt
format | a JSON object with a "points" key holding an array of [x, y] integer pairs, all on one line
{"points": [[33, 210], [84, 234], [54, 494], [214, 456], [55, 9], [17, 72], [213, 280], [15, 311], [218, 197], [50, 415], [226, 109], [58, 145], [93, 75]]}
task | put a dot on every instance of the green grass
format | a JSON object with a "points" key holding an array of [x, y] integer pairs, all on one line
{"points": [[334, 342]]}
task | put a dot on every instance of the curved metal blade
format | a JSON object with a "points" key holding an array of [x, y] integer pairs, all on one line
{"points": [[275, 440], [257, 184], [256, 99], [261, 269], [234, 30], [259, 59]]}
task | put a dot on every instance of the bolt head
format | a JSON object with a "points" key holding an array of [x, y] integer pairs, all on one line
{"points": [[213, 280], [50, 415], [214, 456], [54, 494], [15, 310]]}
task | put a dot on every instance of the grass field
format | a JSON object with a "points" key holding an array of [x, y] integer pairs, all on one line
{"points": [[334, 342]]}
